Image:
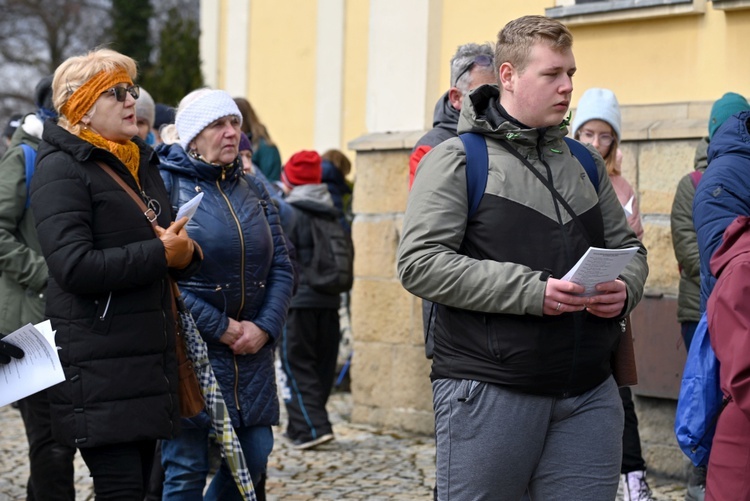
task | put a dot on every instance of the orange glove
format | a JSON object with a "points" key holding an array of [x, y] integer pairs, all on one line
{"points": [[178, 246]]}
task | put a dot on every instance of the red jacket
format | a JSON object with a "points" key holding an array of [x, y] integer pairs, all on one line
{"points": [[729, 312]]}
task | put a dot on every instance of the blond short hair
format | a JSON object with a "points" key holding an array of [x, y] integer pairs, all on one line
{"points": [[77, 70], [516, 39]]}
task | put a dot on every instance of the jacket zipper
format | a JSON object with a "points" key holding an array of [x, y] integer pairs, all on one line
{"points": [[568, 257], [106, 307], [242, 285]]}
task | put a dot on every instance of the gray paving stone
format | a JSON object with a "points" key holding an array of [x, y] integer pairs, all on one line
{"points": [[362, 463]]}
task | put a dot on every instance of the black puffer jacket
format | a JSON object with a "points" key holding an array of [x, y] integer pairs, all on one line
{"points": [[108, 295]]}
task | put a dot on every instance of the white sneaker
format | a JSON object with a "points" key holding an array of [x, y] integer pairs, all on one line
{"points": [[635, 487]]}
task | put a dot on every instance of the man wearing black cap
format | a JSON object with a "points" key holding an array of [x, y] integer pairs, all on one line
{"points": [[23, 282]]}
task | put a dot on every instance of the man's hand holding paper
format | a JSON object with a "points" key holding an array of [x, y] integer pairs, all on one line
{"points": [[610, 300], [562, 296]]}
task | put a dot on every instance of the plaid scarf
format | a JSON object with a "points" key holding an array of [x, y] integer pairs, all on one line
{"points": [[231, 450]]}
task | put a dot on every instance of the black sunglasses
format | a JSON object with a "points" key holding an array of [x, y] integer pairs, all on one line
{"points": [[480, 60], [121, 92]]}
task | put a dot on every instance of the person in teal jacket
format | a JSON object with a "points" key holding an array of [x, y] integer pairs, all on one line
{"points": [[266, 155]]}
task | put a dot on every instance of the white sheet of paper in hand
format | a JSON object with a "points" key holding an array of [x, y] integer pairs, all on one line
{"points": [[39, 368], [599, 265], [628, 207], [188, 208]]}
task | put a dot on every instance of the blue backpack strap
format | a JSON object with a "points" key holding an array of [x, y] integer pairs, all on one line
{"points": [[477, 165], [29, 154], [584, 156]]}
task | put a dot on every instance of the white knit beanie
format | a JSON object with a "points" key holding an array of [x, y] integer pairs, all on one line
{"points": [[198, 109], [598, 104]]}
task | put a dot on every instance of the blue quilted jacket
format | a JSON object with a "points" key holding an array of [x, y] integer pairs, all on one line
{"points": [[723, 192], [246, 275]]}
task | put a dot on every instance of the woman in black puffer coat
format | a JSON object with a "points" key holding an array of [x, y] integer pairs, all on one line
{"points": [[108, 291]]}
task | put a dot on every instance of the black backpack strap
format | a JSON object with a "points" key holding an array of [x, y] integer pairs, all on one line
{"points": [[550, 187]]}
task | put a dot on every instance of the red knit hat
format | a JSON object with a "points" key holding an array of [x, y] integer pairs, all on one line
{"points": [[304, 167]]}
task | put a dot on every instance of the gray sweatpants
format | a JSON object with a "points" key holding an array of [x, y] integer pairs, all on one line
{"points": [[494, 444]]}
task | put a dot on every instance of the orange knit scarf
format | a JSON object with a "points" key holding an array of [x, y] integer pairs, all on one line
{"points": [[128, 153]]}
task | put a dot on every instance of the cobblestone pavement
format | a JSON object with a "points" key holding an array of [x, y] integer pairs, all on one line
{"points": [[362, 463]]}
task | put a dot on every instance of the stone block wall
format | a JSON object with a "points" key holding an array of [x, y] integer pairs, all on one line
{"points": [[390, 375]]}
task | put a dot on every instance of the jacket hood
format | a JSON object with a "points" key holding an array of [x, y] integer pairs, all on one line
{"points": [[174, 158], [735, 243], [32, 126], [331, 175], [482, 113], [29, 132], [732, 138], [445, 115], [55, 138], [313, 197], [700, 161]]}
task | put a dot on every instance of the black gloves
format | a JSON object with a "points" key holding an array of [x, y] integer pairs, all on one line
{"points": [[9, 350]]}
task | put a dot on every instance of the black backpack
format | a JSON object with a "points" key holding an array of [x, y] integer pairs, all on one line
{"points": [[331, 270]]}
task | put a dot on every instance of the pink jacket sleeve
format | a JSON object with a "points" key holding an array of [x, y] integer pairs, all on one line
{"points": [[627, 197]]}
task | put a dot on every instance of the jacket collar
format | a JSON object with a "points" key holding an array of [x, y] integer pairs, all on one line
{"points": [[176, 159], [482, 113], [60, 139]]}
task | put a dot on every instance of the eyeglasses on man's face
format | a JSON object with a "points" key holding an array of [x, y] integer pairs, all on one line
{"points": [[588, 136], [481, 60], [121, 92]]}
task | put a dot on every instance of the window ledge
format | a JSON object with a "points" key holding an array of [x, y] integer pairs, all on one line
{"points": [[731, 4], [626, 10]]}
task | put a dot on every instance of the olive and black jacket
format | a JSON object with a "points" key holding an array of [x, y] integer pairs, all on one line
{"points": [[108, 295], [488, 273]]}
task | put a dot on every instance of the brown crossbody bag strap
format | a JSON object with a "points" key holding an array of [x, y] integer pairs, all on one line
{"points": [[190, 397], [148, 213]]}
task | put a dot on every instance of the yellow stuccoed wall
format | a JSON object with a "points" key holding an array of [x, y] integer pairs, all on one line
{"points": [[663, 60], [665, 71]]}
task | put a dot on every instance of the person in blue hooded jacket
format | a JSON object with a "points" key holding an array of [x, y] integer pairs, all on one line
{"points": [[724, 190], [239, 299]]}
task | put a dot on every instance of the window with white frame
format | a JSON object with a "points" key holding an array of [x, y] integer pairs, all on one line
{"points": [[574, 12]]}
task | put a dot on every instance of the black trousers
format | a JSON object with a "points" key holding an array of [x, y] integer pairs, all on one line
{"points": [[308, 351], [632, 457], [121, 471], [50, 463]]}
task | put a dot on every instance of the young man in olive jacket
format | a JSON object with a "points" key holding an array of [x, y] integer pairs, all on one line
{"points": [[522, 384]]}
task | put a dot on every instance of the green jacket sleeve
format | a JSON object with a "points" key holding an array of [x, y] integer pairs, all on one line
{"points": [[429, 265], [18, 260], [619, 235], [684, 238]]}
